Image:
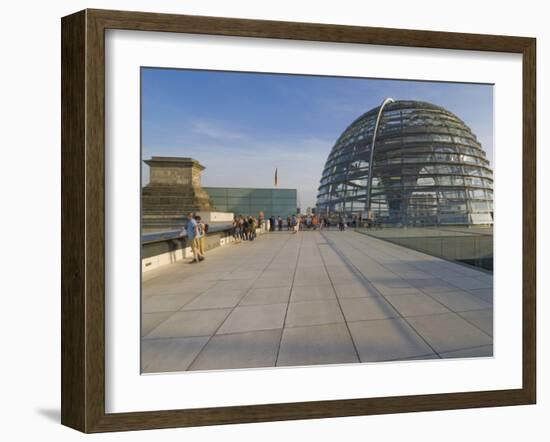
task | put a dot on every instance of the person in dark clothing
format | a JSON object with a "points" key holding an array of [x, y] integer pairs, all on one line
{"points": [[246, 229]]}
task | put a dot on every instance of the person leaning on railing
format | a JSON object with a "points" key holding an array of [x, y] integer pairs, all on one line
{"points": [[192, 230], [202, 230]]}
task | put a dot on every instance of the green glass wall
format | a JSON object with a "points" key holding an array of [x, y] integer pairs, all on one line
{"points": [[249, 201]]}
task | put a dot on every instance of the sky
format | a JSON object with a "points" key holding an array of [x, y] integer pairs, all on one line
{"points": [[241, 126]]}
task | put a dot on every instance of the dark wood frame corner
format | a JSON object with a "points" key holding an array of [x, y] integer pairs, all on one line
{"points": [[83, 220]]}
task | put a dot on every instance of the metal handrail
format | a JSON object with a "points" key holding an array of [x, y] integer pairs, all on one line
{"points": [[153, 237]]}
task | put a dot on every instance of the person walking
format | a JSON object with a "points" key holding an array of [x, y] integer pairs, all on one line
{"points": [[294, 224], [280, 222]]}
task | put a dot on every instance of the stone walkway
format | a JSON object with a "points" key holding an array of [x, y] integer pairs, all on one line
{"points": [[312, 298]]}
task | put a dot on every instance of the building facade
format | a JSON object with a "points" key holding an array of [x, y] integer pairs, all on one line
{"points": [[428, 168], [251, 201]]}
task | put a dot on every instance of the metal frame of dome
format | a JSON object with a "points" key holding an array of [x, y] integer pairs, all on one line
{"points": [[428, 168]]}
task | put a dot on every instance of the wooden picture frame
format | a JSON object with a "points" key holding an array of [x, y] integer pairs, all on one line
{"points": [[83, 220]]}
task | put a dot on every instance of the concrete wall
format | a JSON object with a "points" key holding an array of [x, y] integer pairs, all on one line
{"points": [[160, 252]]}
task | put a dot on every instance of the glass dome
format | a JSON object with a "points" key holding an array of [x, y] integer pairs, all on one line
{"points": [[428, 169]]}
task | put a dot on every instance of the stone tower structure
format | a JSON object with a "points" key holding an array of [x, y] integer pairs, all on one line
{"points": [[174, 189]]}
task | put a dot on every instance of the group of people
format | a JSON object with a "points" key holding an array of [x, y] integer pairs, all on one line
{"points": [[305, 222], [295, 223], [196, 231], [244, 227]]}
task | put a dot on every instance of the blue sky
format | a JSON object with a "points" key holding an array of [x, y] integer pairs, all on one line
{"points": [[242, 126]]}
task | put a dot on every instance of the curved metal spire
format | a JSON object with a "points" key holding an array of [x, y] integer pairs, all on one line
{"points": [[371, 159]]}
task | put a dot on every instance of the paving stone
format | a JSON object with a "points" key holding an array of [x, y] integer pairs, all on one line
{"points": [[166, 303], [272, 282], [241, 350], [476, 352], [392, 281], [422, 358], [337, 269], [387, 340], [449, 332], [176, 287], [485, 294], [470, 283], [241, 274], [363, 309], [354, 290], [287, 275], [216, 299], [254, 317], [480, 318], [266, 295], [312, 293], [233, 284], [321, 279], [460, 301], [150, 320], [165, 355], [433, 285], [416, 305], [390, 291], [203, 276], [313, 313], [320, 344], [190, 323]]}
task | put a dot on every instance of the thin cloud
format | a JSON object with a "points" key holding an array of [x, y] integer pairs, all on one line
{"points": [[215, 131]]}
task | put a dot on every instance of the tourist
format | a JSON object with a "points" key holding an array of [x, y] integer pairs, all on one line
{"points": [[246, 228], [236, 229], [201, 234], [341, 223], [192, 231], [288, 223], [294, 224], [280, 222], [252, 223], [241, 227]]}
